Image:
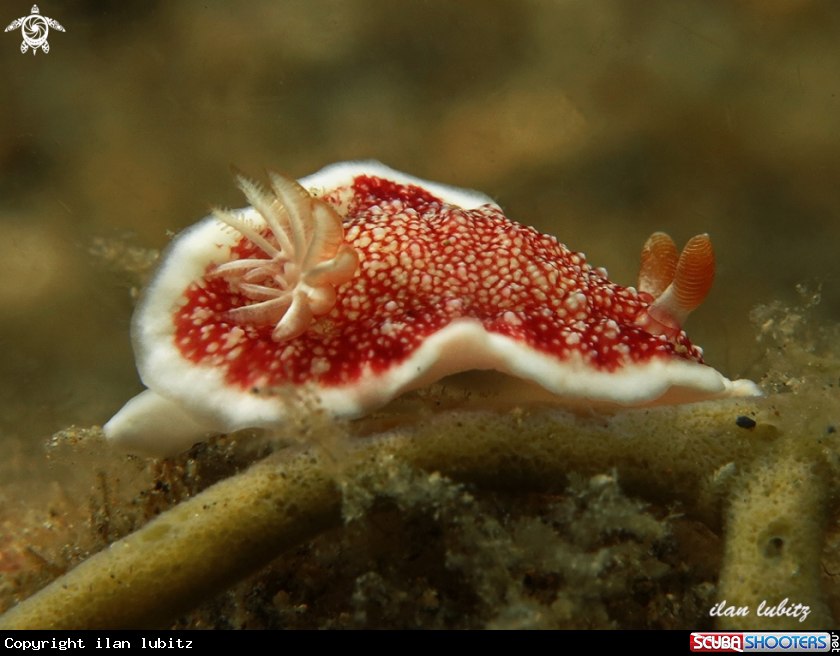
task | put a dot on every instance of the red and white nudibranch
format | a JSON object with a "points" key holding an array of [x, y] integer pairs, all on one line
{"points": [[361, 282]]}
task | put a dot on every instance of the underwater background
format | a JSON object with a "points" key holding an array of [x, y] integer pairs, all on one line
{"points": [[598, 122]]}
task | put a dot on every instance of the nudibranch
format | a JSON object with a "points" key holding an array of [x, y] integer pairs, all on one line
{"points": [[360, 282]]}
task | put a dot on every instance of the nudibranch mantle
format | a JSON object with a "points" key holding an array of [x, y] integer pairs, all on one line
{"points": [[362, 282]]}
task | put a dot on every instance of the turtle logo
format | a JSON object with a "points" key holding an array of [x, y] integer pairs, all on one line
{"points": [[34, 29]]}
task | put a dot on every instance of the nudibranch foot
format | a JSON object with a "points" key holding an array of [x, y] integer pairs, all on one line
{"points": [[151, 425], [360, 282]]}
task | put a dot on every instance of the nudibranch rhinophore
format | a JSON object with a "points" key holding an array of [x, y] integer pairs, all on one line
{"points": [[360, 282]]}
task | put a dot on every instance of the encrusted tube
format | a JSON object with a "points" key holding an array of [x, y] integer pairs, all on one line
{"points": [[775, 533], [209, 542]]}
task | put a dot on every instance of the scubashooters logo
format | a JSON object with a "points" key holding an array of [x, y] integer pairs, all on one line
{"points": [[34, 29], [758, 641]]}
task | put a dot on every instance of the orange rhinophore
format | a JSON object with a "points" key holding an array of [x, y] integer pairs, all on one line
{"points": [[676, 285]]}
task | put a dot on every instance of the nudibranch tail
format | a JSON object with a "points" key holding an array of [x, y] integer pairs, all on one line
{"points": [[678, 285], [306, 258]]}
